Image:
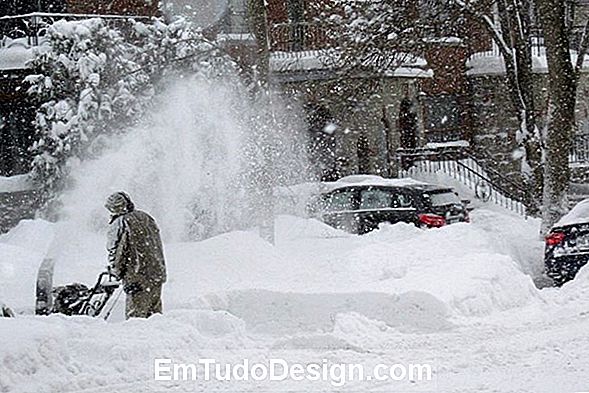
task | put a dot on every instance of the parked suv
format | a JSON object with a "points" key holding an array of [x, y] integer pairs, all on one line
{"points": [[567, 245], [360, 208]]}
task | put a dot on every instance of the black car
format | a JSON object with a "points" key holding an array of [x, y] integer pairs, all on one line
{"points": [[360, 208], [567, 245]]}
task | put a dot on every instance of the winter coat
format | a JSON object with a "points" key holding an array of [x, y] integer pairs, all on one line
{"points": [[135, 251]]}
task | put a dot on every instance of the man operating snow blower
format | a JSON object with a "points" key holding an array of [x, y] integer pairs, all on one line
{"points": [[136, 256]]}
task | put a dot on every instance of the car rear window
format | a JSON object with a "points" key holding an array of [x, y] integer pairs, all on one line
{"points": [[444, 198]]}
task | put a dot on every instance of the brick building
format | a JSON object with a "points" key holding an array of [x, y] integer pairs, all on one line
{"points": [[453, 90], [429, 87], [457, 88]]}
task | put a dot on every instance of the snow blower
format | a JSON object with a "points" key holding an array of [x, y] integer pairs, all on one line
{"points": [[73, 299]]}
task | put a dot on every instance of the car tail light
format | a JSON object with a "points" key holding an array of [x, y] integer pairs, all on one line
{"points": [[554, 238], [432, 220]]}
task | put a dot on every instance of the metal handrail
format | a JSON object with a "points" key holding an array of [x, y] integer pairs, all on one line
{"points": [[301, 36], [73, 16], [501, 176], [31, 26], [501, 189], [579, 153], [502, 195], [454, 153]]}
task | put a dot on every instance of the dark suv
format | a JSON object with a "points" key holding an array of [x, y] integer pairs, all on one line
{"points": [[567, 245], [361, 208]]}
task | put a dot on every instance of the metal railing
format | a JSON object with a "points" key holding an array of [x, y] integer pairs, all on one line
{"points": [[296, 37], [579, 153], [459, 164], [30, 28], [537, 46]]}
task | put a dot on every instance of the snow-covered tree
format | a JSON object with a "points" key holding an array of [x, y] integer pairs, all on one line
{"points": [[99, 77]]}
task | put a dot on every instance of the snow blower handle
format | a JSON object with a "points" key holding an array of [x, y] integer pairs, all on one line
{"points": [[111, 275], [113, 305], [113, 281]]}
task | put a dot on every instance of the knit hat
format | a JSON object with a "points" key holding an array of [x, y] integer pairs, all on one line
{"points": [[119, 203]]}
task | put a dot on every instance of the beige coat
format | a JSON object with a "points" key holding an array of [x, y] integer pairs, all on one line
{"points": [[135, 250]]}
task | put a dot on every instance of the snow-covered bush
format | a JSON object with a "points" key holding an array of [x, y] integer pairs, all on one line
{"points": [[99, 77]]}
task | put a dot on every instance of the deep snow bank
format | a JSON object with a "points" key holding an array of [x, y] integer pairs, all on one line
{"points": [[21, 252], [318, 290], [471, 269]]}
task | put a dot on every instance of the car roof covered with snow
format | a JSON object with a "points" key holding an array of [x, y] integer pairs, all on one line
{"points": [[578, 215], [378, 181]]}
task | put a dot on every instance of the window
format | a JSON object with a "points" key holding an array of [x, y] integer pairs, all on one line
{"points": [[340, 201], [296, 10], [444, 199], [236, 19], [372, 199], [443, 119], [375, 199], [442, 112], [402, 201]]}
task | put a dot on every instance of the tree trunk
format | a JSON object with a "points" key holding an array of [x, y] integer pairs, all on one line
{"points": [[258, 22], [562, 86], [514, 17]]}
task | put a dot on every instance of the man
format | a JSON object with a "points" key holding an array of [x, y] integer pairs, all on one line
{"points": [[136, 256]]}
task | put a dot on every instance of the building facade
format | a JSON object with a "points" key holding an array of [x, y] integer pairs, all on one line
{"points": [[456, 91]]}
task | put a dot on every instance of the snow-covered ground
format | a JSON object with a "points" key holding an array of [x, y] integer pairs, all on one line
{"points": [[455, 297]]}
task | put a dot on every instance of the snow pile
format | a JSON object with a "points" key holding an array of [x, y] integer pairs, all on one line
{"points": [[21, 252], [492, 63], [289, 313], [574, 294], [316, 60], [462, 265], [442, 145], [58, 354], [485, 264]]}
